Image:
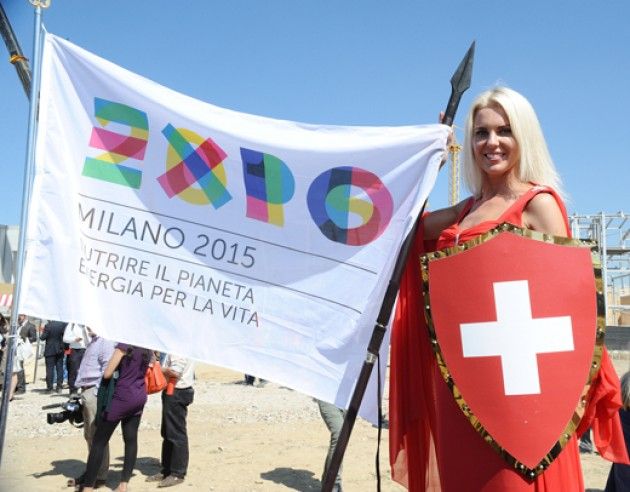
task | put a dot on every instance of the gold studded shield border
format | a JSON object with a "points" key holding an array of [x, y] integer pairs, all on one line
{"points": [[529, 473]]}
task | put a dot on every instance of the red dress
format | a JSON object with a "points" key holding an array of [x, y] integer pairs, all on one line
{"points": [[432, 444]]}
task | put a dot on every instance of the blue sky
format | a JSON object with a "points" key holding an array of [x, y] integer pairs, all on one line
{"points": [[362, 62]]}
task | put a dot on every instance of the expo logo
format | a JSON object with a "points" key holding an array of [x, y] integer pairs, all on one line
{"points": [[195, 173]]}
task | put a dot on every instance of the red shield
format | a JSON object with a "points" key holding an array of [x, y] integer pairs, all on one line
{"points": [[513, 316]]}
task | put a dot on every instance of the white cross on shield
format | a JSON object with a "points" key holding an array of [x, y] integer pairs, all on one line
{"points": [[516, 337]]}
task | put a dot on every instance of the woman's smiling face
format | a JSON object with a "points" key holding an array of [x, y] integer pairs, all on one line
{"points": [[495, 149]]}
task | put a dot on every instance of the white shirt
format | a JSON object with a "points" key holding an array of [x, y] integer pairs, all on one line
{"points": [[183, 366], [71, 333]]}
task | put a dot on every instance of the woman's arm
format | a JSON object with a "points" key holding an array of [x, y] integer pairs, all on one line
{"points": [[435, 222], [113, 363], [543, 214]]}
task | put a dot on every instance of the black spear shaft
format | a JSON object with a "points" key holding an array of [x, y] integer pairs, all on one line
{"points": [[460, 82], [15, 52]]}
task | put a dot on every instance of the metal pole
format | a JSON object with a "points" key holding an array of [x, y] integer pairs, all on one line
{"points": [[37, 349], [604, 252], [26, 188], [15, 52]]}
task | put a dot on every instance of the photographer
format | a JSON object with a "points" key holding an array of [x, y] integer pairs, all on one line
{"points": [[93, 363]]}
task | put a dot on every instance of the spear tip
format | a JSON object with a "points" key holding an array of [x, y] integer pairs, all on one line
{"points": [[460, 81]]}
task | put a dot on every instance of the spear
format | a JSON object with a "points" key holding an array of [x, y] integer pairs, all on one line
{"points": [[460, 82], [16, 56]]}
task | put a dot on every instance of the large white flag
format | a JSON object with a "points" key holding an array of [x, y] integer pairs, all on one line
{"points": [[260, 245]]}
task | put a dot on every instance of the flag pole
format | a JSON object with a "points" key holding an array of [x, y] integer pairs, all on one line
{"points": [[460, 82], [26, 191], [16, 57]]}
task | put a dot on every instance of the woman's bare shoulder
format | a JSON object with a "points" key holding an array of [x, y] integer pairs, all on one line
{"points": [[543, 213]]}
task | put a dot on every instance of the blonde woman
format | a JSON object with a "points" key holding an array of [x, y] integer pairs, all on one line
{"points": [[512, 179]]}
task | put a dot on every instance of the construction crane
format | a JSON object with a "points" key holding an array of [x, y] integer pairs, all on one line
{"points": [[453, 186]]}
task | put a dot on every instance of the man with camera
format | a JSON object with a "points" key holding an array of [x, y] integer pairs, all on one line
{"points": [[93, 364]]}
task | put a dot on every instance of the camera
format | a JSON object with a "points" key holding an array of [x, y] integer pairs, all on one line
{"points": [[72, 411]]}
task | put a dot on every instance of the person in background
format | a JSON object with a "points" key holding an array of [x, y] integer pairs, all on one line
{"points": [[333, 418], [126, 406], [586, 443], [178, 395], [23, 351], [4, 329], [74, 337], [619, 476], [53, 353], [250, 380], [28, 333], [27, 330], [97, 355]]}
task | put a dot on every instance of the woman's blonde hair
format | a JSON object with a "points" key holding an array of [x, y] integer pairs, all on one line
{"points": [[534, 163]]}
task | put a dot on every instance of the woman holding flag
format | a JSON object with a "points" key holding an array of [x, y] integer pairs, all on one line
{"points": [[433, 446]]}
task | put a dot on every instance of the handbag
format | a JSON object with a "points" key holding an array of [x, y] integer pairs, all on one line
{"points": [[25, 349], [154, 378]]}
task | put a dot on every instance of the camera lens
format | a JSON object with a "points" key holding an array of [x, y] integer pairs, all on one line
{"points": [[57, 417]]}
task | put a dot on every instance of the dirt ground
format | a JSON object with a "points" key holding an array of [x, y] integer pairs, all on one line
{"points": [[242, 439]]}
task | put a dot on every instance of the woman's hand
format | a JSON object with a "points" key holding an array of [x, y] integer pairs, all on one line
{"points": [[449, 141]]}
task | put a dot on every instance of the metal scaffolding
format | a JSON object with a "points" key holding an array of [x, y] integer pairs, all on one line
{"points": [[612, 233]]}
